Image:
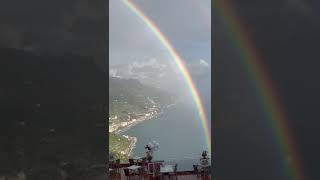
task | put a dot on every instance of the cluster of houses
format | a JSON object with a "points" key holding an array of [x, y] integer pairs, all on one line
{"points": [[116, 123]]}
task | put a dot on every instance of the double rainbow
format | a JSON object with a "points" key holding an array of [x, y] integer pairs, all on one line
{"points": [[179, 62]]}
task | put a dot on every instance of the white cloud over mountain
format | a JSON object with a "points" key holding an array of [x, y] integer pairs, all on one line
{"points": [[161, 74]]}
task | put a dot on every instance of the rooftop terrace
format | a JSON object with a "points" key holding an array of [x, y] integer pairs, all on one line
{"points": [[163, 170]]}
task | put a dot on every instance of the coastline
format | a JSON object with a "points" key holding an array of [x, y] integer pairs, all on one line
{"points": [[138, 121], [133, 140], [144, 118], [132, 145]]}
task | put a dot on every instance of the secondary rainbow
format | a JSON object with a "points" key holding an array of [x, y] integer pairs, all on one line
{"points": [[253, 62], [181, 66]]}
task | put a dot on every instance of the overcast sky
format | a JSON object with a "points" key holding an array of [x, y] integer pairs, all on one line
{"points": [[186, 23]]}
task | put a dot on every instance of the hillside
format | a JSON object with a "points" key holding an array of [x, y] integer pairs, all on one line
{"points": [[131, 102], [130, 96], [162, 73]]}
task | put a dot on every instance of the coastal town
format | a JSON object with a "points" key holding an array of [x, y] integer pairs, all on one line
{"points": [[130, 104], [119, 125]]}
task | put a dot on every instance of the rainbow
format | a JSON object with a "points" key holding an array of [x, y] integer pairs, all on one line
{"points": [[253, 62], [179, 62]]}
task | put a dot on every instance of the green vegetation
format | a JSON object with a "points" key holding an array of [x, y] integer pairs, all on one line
{"points": [[118, 144], [128, 97]]}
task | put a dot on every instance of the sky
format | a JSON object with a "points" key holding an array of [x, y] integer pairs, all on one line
{"points": [[186, 23]]}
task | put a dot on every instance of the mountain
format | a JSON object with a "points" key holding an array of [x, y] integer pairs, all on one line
{"points": [[131, 96], [150, 72], [161, 74]]}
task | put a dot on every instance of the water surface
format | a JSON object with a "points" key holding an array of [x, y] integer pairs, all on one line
{"points": [[179, 132]]}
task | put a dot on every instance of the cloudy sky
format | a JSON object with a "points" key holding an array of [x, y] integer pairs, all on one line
{"points": [[186, 23]]}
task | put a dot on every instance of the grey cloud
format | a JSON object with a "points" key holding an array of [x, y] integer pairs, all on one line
{"points": [[179, 20]]}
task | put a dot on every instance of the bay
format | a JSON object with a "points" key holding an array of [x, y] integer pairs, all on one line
{"points": [[177, 129]]}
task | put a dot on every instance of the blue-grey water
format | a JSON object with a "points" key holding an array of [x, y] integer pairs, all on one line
{"points": [[178, 130]]}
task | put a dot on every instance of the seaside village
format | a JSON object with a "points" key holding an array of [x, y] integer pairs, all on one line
{"points": [[117, 125]]}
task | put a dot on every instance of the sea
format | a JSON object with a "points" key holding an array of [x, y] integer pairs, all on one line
{"points": [[179, 132]]}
